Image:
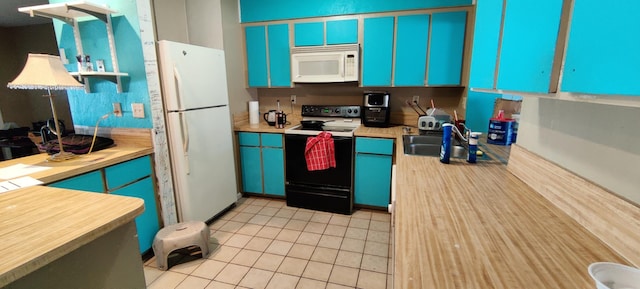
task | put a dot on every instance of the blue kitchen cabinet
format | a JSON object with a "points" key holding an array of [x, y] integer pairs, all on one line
{"points": [[412, 38], [256, 50], [262, 163], [279, 55], [250, 162], [147, 223], [133, 178], [446, 48], [309, 33], [127, 172], [337, 32], [486, 39], [342, 31], [272, 163], [602, 51], [372, 180], [90, 182], [260, 10], [529, 37], [272, 68], [377, 49]]}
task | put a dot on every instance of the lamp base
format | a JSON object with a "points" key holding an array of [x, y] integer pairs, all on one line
{"points": [[61, 156]]}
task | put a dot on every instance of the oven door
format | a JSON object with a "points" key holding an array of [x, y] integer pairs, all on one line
{"points": [[297, 173], [326, 190]]}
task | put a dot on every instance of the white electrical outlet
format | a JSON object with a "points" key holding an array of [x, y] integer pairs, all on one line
{"points": [[293, 99], [138, 110], [117, 109], [416, 99]]}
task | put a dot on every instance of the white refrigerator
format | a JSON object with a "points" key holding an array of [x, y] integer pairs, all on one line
{"points": [[196, 104]]}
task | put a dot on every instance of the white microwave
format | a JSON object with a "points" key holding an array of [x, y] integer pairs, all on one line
{"points": [[317, 64]]}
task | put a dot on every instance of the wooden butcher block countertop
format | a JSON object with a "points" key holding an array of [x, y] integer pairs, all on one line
{"points": [[41, 224], [472, 226], [79, 165], [462, 225]]}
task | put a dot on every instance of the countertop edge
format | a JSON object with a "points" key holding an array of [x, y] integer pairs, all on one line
{"points": [[133, 207], [82, 164]]}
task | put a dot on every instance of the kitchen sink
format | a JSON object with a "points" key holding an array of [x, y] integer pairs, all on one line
{"points": [[422, 145], [429, 145]]}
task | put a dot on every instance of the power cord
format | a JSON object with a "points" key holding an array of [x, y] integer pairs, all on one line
{"points": [[95, 132]]}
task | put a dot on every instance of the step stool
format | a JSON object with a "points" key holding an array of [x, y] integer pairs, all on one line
{"points": [[178, 236]]}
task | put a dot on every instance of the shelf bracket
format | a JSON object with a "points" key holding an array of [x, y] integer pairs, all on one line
{"points": [[101, 16], [67, 20]]}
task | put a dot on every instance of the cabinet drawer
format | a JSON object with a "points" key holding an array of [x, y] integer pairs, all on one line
{"points": [[90, 182], [127, 172], [249, 139], [374, 145], [271, 140]]}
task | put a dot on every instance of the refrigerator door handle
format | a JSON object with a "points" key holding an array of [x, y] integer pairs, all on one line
{"points": [[178, 81], [184, 133]]}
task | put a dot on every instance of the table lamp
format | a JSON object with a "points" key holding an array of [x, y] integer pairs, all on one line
{"points": [[43, 71]]}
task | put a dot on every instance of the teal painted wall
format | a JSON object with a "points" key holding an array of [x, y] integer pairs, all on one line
{"points": [[86, 109], [260, 10]]}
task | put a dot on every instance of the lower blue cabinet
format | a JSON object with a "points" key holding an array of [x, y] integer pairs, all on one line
{"points": [[251, 167], [132, 178], [262, 163], [374, 157], [147, 223]]}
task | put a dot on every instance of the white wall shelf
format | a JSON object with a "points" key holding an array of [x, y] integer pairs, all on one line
{"points": [[71, 13]]}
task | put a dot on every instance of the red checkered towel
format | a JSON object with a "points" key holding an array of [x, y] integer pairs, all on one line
{"points": [[320, 152]]}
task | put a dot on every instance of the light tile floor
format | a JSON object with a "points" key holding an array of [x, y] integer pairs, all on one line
{"points": [[262, 243]]}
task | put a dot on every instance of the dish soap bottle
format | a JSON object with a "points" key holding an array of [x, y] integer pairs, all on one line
{"points": [[473, 146], [445, 148]]}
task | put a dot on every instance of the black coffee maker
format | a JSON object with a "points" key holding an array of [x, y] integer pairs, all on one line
{"points": [[376, 110]]}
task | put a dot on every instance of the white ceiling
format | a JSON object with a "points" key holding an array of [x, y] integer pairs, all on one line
{"points": [[10, 17]]}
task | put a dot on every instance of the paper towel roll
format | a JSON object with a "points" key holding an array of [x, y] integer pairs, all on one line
{"points": [[254, 112]]}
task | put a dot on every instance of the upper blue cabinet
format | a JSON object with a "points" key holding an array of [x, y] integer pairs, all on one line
{"points": [[520, 47], [447, 48], [414, 48], [260, 10], [522, 53], [415, 57], [377, 52], [256, 49], [529, 38], [309, 33], [412, 40], [602, 55], [336, 32], [279, 55], [342, 31], [486, 40], [272, 69]]}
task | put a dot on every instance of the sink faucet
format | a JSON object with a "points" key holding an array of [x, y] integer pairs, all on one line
{"points": [[462, 137]]}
